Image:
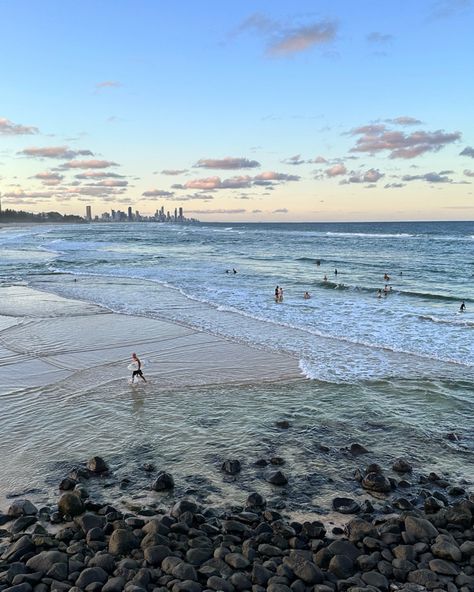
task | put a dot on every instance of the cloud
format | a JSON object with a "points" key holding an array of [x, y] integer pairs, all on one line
{"points": [[157, 193], [296, 159], [227, 163], [256, 211], [468, 151], [468, 173], [21, 195], [378, 38], [394, 185], [302, 38], [370, 176], [274, 176], [108, 84], [377, 138], [236, 182], [237, 211], [88, 164], [49, 178], [8, 128], [191, 197], [447, 8], [111, 183], [206, 183], [337, 169], [98, 175], [59, 152], [428, 177], [174, 171], [280, 211], [404, 120], [319, 160]]}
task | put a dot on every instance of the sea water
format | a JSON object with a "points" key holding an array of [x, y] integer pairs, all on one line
{"points": [[395, 371]]}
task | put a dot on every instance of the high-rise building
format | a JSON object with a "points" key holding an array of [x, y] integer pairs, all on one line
{"points": [[180, 215], [130, 214], [88, 213], [176, 214]]}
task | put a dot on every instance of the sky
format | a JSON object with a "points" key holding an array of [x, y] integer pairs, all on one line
{"points": [[314, 110]]}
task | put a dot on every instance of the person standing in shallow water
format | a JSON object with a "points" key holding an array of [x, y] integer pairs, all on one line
{"points": [[138, 371], [462, 308], [277, 293]]}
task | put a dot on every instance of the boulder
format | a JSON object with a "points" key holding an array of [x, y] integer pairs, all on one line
{"points": [[121, 541], [231, 466], [91, 575], [22, 507], [419, 529], [345, 505], [45, 560], [97, 465], [376, 482], [401, 465], [277, 478], [357, 449], [70, 504], [163, 482]]}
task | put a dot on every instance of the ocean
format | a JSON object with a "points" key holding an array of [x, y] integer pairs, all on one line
{"points": [[393, 370]]}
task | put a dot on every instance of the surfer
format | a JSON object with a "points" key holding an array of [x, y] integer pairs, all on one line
{"points": [[462, 308], [138, 372], [335, 272]]}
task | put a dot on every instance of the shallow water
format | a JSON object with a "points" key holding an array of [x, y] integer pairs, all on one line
{"points": [[396, 374]]}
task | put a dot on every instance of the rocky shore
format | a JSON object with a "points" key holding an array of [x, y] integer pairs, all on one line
{"points": [[421, 541]]}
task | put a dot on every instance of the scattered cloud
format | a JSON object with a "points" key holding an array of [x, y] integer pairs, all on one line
{"points": [[302, 38], [174, 171], [227, 163], [256, 211], [319, 160], [468, 151], [111, 183], [468, 173], [8, 128], [280, 211], [447, 8], [191, 197], [394, 185], [428, 177], [378, 138], [107, 84], [404, 120], [296, 159], [336, 170], [157, 193], [206, 183], [274, 176], [379, 38], [59, 152], [370, 176], [88, 164], [49, 178], [21, 195], [98, 175], [265, 178]]}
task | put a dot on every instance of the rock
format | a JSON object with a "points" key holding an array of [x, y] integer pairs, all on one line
{"points": [[260, 574], [346, 548], [88, 521], [104, 560], [199, 555], [67, 484], [341, 566], [261, 462], [97, 465], [23, 546], [90, 575], [183, 506], [231, 466], [219, 584], [70, 504], [467, 548], [357, 449], [277, 461], [444, 547], [236, 560], [375, 579], [240, 581], [283, 424], [405, 552], [277, 478], [255, 500], [305, 570], [59, 571], [432, 505], [25, 587], [22, 507], [445, 568], [419, 529], [269, 550], [423, 577], [345, 505], [163, 482], [357, 529], [401, 465], [376, 482], [45, 560], [121, 541], [116, 584], [184, 571], [22, 524]]}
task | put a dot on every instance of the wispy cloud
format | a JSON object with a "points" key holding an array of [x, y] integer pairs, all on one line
{"points": [[58, 152], [280, 211], [370, 176], [379, 38], [446, 8], [8, 128], [105, 84], [274, 176], [157, 193], [98, 175], [468, 173], [227, 163], [404, 120], [88, 164], [220, 211], [174, 171], [240, 182], [428, 177], [295, 160], [377, 138], [49, 178]]}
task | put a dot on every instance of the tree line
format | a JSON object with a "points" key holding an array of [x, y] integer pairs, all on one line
{"points": [[13, 216]]}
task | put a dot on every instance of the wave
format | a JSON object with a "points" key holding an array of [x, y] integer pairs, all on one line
{"points": [[372, 234], [456, 322]]}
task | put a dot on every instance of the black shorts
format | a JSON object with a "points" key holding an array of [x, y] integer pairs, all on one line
{"points": [[137, 373]]}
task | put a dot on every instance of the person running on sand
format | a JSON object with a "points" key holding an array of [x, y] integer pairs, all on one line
{"points": [[138, 371]]}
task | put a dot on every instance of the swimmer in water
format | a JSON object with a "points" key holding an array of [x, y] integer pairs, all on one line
{"points": [[462, 308], [325, 278], [379, 293], [307, 296]]}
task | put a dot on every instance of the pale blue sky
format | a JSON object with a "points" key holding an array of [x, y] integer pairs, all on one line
{"points": [[254, 92]]}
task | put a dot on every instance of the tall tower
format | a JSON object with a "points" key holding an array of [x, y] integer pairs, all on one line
{"points": [[88, 213], [180, 215], [130, 214]]}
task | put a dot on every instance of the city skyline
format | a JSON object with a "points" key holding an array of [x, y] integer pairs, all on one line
{"points": [[247, 112]]}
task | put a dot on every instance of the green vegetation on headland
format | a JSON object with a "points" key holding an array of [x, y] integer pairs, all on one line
{"points": [[14, 217]]}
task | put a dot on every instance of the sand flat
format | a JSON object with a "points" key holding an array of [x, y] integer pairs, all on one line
{"points": [[47, 339]]}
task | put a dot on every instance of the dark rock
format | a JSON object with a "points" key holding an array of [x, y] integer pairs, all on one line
{"points": [[341, 566], [346, 548], [148, 467], [445, 568], [104, 560], [22, 524], [187, 586], [231, 466], [97, 465], [432, 505], [305, 570], [163, 482], [89, 520], [255, 500], [345, 505], [183, 506], [269, 550], [22, 507], [377, 580], [70, 504], [236, 561], [357, 529], [90, 575], [376, 482], [23, 546], [25, 587], [423, 577], [184, 571], [260, 574], [261, 462], [283, 424], [199, 555], [445, 547], [240, 581], [217, 583], [357, 449], [419, 529], [67, 484], [277, 461], [45, 560], [401, 465], [277, 478], [121, 541], [116, 584]]}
